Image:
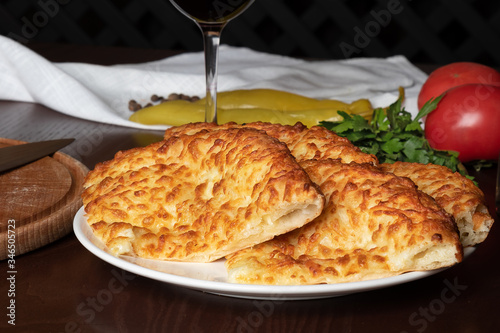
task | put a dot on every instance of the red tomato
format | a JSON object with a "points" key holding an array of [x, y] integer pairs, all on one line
{"points": [[456, 74], [467, 120]]}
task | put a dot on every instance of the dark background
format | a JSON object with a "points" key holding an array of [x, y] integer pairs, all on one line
{"points": [[425, 31]]}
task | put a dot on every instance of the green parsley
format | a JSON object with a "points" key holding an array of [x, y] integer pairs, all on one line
{"points": [[392, 135]]}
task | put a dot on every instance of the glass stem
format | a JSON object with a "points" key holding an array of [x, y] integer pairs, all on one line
{"points": [[211, 40]]}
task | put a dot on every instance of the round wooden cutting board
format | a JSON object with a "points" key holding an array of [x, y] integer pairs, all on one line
{"points": [[38, 201]]}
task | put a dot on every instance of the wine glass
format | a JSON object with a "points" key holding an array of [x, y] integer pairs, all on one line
{"points": [[211, 16]]}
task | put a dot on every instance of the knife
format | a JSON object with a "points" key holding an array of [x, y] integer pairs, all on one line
{"points": [[17, 155]]}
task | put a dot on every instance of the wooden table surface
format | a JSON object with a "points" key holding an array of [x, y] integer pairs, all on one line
{"points": [[62, 287]]}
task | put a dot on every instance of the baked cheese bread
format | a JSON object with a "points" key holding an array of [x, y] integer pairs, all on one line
{"points": [[199, 196], [374, 225], [455, 193], [304, 143]]}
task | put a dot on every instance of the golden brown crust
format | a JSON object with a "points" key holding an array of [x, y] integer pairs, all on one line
{"points": [[315, 143], [304, 143], [458, 195], [199, 197], [210, 190], [374, 224]]}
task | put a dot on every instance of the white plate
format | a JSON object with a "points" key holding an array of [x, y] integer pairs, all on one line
{"points": [[212, 277]]}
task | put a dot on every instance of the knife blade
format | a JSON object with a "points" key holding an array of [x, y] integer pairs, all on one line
{"points": [[17, 155]]}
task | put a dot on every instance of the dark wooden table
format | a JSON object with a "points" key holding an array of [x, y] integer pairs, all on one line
{"points": [[62, 287]]}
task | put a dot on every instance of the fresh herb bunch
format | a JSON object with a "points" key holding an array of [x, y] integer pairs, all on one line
{"points": [[392, 135]]}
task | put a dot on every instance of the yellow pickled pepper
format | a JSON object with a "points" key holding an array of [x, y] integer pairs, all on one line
{"points": [[245, 106]]}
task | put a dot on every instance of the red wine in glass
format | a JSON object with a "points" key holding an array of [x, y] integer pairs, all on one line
{"points": [[211, 16]]}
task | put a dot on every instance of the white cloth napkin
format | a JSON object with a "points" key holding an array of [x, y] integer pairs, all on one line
{"points": [[102, 93]]}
